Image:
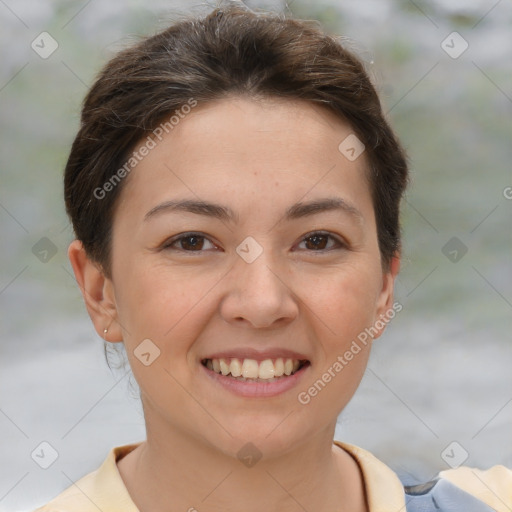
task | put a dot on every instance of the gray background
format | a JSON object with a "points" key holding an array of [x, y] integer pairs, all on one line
{"points": [[441, 372]]}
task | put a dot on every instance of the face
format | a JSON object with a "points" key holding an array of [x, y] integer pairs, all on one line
{"points": [[280, 262]]}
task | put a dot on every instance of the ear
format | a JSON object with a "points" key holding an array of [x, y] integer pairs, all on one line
{"points": [[385, 300], [97, 291]]}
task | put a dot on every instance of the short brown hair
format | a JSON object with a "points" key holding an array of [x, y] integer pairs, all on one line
{"points": [[228, 51]]}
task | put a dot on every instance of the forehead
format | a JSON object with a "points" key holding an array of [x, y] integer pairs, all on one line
{"points": [[270, 127], [239, 146]]}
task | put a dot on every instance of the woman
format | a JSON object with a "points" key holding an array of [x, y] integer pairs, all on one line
{"points": [[235, 192]]}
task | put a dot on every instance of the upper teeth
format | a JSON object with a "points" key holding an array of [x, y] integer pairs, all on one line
{"points": [[252, 369]]}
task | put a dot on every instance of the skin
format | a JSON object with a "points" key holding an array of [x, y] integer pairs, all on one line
{"points": [[257, 157]]}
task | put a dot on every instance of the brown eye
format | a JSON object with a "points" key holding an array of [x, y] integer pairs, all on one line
{"points": [[190, 242], [319, 242]]}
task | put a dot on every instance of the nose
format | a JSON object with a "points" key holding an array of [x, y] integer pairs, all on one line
{"points": [[259, 294]]}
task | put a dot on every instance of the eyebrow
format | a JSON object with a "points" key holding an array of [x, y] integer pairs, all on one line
{"points": [[224, 213]]}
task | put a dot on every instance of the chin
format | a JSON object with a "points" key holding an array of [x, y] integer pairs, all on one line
{"points": [[259, 435]]}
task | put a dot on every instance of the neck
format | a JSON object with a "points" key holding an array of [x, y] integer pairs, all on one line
{"points": [[189, 474]]}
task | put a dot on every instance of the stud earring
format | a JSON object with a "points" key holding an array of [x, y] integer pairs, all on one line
{"points": [[107, 328]]}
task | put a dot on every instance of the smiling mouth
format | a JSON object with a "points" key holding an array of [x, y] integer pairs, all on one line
{"points": [[250, 370]]}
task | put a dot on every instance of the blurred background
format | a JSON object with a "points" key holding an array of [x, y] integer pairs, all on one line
{"points": [[438, 388]]}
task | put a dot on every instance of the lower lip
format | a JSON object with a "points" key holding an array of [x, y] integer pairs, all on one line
{"points": [[257, 389]]}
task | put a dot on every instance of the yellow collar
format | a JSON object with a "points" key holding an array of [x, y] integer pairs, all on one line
{"points": [[384, 491], [105, 487]]}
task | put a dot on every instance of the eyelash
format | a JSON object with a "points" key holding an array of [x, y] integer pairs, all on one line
{"points": [[168, 244]]}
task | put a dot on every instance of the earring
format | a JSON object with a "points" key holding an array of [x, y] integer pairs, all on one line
{"points": [[107, 328]]}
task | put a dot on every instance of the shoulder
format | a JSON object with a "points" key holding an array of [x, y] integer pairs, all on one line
{"points": [[102, 489], [463, 489], [74, 498]]}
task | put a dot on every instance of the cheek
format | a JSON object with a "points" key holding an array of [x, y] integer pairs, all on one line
{"points": [[345, 301], [344, 308], [163, 304]]}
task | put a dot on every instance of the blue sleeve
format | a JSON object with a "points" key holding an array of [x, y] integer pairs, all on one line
{"points": [[441, 496]]}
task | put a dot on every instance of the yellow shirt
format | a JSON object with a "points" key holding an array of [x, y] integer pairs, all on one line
{"points": [[104, 488]]}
